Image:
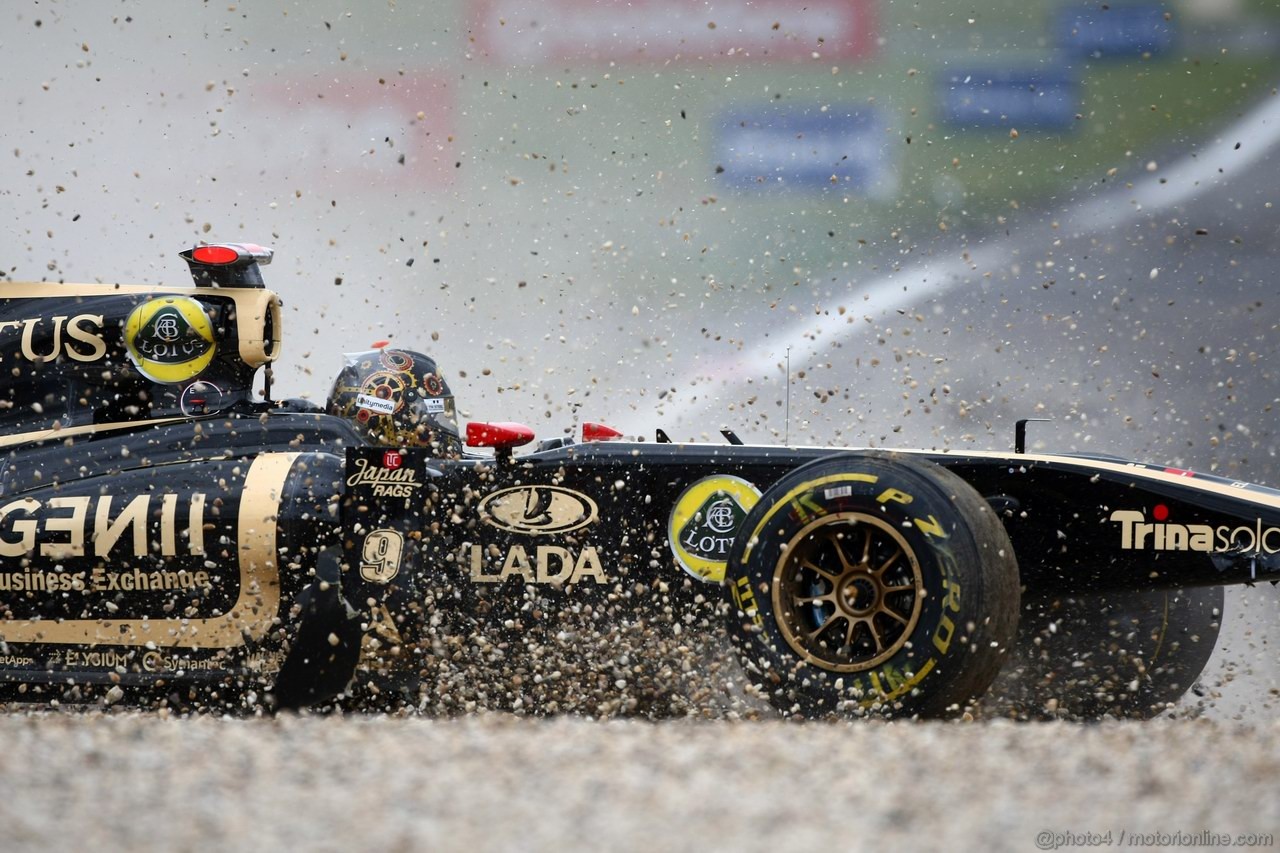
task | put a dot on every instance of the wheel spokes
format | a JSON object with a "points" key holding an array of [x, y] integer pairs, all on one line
{"points": [[866, 548], [824, 626], [893, 558], [814, 567], [893, 614], [875, 635], [856, 585], [848, 635], [834, 538]]}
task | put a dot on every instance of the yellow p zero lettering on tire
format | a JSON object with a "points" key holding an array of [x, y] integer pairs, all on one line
{"points": [[930, 527], [953, 595], [895, 495], [894, 677], [946, 628], [745, 599], [785, 500], [899, 688], [942, 636], [807, 508]]}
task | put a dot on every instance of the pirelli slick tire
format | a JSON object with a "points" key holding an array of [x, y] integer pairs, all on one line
{"points": [[872, 584], [1127, 653]]}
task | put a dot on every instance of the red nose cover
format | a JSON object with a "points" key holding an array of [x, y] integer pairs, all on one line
{"points": [[599, 432], [500, 435]]}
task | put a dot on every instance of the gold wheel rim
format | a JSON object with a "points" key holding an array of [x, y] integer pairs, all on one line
{"points": [[847, 592]]}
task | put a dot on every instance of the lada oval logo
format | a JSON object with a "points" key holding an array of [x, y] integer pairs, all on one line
{"points": [[537, 510]]}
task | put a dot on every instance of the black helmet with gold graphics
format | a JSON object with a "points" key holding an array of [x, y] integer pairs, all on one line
{"points": [[398, 399]]}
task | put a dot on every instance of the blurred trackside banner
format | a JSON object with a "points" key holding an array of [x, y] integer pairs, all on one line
{"points": [[527, 32], [361, 128], [841, 149]]}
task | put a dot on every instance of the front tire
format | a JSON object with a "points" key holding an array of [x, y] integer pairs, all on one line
{"points": [[872, 583]]}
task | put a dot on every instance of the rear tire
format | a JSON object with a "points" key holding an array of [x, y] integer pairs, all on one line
{"points": [[875, 583], [1128, 653]]}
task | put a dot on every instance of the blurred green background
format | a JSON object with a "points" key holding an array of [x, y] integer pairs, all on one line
{"points": [[524, 184]]}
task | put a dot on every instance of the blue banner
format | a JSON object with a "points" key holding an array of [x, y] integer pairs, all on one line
{"points": [[843, 149], [1046, 99], [1115, 31]]}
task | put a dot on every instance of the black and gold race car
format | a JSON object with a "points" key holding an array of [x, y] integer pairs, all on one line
{"points": [[168, 538]]}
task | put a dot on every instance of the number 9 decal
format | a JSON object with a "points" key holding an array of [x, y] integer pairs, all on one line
{"points": [[380, 556]]}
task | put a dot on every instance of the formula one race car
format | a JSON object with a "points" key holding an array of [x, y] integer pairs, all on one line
{"points": [[165, 537]]}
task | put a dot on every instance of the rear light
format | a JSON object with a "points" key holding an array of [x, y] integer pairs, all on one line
{"points": [[501, 436]]}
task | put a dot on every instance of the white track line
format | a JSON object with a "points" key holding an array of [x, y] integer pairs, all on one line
{"points": [[1220, 161]]}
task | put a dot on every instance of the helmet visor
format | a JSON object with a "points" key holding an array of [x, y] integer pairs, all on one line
{"points": [[432, 419]]}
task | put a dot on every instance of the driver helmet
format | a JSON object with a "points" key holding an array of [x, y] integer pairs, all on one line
{"points": [[397, 398]]}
